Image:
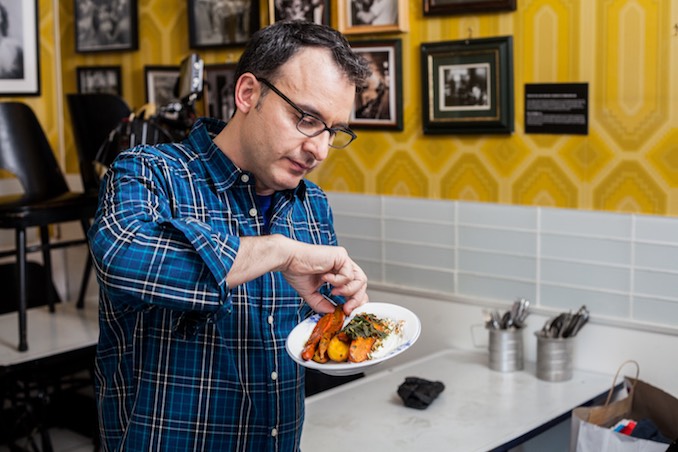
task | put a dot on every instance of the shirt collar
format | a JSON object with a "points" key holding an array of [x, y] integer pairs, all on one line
{"points": [[223, 171]]}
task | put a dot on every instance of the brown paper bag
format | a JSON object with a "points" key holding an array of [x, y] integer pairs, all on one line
{"points": [[590, 428]]}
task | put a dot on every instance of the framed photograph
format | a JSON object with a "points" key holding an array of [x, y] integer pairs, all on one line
{"points": [[372, 16], [219, 88], [160, 84], [379, 104], [221, 23], [19, 58], [468, 86], [317, 11], [440, 7], [103, 26], [99, 79]]}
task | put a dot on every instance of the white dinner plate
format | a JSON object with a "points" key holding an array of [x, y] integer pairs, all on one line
{"points": [[393, 345]]}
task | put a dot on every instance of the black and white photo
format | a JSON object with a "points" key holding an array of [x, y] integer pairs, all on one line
{"points": [[19, 62], [219, 89], [317, 11], [378, 104], [99, 79], [372, 16], [221, 23], [465, 87], [105, 25], [161, 85]]}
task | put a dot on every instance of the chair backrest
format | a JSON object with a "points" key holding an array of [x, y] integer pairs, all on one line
{"points": [[26, 152], [93, 117]]}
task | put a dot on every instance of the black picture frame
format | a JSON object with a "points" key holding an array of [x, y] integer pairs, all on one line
{"points": [[210, 27], [468, 86], [99, 79], [219, 90], [20, 59], [379, 104], [312, 10], [106, 26], [160, 83], [451, 7]]}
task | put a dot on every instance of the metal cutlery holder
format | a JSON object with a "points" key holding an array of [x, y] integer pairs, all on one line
{"points": [[506, 349], [554, 358]]}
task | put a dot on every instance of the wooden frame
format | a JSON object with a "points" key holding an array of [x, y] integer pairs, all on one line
{"points": [[317, 11], [382, 16], [380, 103], [468, 86], [442, 7], [210, 26], [99, 79], [106, 26], [20, 59], [160, 82], [218, 92]]}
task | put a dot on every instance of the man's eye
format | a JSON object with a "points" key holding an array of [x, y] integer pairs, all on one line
{"points": [[309, 121]]}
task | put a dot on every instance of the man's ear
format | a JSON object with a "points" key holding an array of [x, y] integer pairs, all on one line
{"points": [[247, 91]]}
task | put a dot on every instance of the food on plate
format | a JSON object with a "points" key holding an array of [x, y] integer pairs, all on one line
{"points": [[354, 343], [325, 329], [338, 349]]}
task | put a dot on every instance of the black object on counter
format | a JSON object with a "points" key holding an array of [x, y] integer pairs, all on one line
{"points": [[419, 393]]}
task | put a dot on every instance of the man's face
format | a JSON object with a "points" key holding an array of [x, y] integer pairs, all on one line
{"points": [[274, 150]]}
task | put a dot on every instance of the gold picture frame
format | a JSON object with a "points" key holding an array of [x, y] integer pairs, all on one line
{"points": [[381, 16]]}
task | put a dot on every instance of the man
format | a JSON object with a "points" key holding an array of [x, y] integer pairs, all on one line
{"points": [[209, 252]]}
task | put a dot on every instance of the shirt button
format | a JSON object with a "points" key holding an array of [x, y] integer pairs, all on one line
{"points": [[253, 212], [274, 432], [245, 178], [274, 375], [270, 320]]}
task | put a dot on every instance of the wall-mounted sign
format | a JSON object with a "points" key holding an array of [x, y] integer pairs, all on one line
{"points": [[557, 108]]}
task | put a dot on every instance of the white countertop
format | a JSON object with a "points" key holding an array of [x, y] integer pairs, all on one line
{"points": [[49, 334], [479, 410]]}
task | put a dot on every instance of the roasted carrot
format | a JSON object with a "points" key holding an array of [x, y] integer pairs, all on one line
{"points": [[327, 326], [360, 349]]}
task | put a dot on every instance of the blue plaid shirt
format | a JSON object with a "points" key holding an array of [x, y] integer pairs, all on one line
{"points": [[184, 362]]}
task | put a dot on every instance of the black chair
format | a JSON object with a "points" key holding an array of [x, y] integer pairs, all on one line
{"points": [[93, 117], [26, 153]]}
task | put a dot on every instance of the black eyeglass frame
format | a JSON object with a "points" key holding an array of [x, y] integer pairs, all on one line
{"points": [[332, 130]]}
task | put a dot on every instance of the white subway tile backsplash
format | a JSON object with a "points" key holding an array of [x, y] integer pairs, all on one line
{"points": [[620, 266], [498, 215], [358, 226], [590, 249], [661, 284], [585, 274], [656, 229], [502, 265], [419, 209], [420, 278], [356, 205], [495, 288], [439, 234], [580, 222], [362, 248], [598, 303], [656, 257], [655, 310], [419, 255], [498, 240]]}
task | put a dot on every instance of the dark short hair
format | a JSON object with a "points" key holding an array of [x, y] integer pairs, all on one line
{"points": [[271, 47]]}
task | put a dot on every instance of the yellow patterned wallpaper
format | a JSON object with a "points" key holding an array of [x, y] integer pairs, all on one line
{"points": [[627, 50]]}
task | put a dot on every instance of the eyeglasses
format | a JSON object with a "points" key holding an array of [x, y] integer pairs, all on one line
{"points": [[312, 126]]}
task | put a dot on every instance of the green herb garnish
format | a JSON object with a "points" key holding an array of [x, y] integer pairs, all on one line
{"points": [[365, 325]]}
